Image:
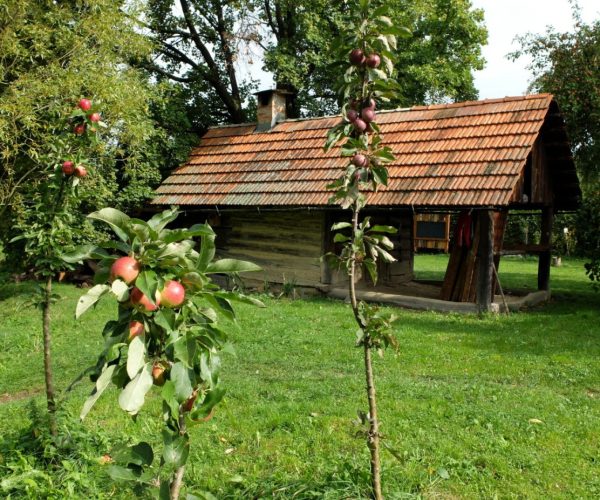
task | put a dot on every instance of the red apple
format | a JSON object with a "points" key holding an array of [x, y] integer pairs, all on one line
{"points": [[368, 115], [357, 57], [85, 104], [369, 104], [373, 60], [158, 374], [94, 117], [360, 160], [68, 168], [79, 129], [80, 171], [140, 300], [352, 115], [126, 268], [136, 328], [173, 294], [360, 125]]}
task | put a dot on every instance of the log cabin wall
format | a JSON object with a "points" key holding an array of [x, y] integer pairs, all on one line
{"points": [[286, 244]]}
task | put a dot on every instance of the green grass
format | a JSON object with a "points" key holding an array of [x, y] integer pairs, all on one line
{"points": [[456, 404]]}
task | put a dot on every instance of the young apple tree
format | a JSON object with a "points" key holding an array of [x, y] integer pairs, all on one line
{"points": [[166, 334], [368, 48], [46, 227]]}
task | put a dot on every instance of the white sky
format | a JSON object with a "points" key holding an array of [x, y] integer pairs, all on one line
{"points": [[505, 19]]}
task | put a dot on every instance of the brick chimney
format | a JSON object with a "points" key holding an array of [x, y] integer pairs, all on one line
{"points": [[271, 108]]}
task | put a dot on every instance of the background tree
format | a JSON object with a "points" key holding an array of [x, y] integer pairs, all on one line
{"points": [[568, 66], [436, 64], [52, 54], [199, 43]]}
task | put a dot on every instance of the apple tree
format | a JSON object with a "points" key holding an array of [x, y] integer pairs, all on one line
{"points": [[166, 335], [46, 229], [368, 49]]}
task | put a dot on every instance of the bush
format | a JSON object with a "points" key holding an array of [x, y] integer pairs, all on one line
{"points": [[588, 236]]}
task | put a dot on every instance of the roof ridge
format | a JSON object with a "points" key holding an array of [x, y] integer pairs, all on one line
{"points": [[419, 107]]}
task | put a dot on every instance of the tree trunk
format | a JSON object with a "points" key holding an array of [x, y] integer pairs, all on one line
{"points": [[178, 479], [373, 435], [48, 359]]}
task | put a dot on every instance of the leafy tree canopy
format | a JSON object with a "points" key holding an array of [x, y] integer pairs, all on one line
{"points": [[568, 66], [199, 43], [51, 55]]}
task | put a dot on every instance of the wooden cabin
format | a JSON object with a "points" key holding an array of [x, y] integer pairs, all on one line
{"points": [[263, 186]]}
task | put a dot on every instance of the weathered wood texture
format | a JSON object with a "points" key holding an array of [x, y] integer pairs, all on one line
{"points": [[545, 255], [469, 275], [400, 271], [485, 261], [286, 244], [430, 242]]}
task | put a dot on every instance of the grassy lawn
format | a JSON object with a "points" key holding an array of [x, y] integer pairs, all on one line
{"points": [[505, 407]]}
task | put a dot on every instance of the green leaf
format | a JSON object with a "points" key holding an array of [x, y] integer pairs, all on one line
{"points": [[140, 454], [184, 380], [185, 349], [120, 289], [176, 448], [371, 268], [212, 398], [340, 238], [147, 283], [383, 229], [132, 398], [340, 225], [84, 252], [207, 252], [186, 234], [239, 297], [119, 473], [90, 298], [228, 266], [159, 221], [101, 384], [117, 220], [136, 356], [166, 319]]}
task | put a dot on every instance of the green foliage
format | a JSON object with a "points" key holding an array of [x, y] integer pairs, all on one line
{"points": [[436, 64], [568, 66], [178, 346], [34, 464], [588, 236], [51, 55]]}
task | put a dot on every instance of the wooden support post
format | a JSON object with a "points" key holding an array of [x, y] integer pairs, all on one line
{"points": [[546, 255], [485, 261]]}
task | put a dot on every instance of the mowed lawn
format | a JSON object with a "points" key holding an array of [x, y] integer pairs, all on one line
{"points": [[500, 406]]}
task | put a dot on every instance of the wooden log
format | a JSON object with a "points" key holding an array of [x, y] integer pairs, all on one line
{"points": [[485, 257], [546, 255]]}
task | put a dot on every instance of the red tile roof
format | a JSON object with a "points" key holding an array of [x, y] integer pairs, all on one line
{"points": [[463, 154]]}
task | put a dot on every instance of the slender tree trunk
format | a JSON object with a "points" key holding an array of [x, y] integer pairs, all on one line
{"points": [[373, 436], [178, 479], [50, 398]]}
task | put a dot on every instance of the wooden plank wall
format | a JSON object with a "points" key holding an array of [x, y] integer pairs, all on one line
{"points": [[286, 244], [432, 243]]}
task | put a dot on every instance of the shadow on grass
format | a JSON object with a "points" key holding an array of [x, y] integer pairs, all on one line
{"points": [[10, 290]]}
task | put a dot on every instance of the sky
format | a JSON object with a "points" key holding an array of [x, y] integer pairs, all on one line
{"points": [[505, 19]]}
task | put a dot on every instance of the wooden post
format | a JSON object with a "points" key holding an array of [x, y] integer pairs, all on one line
{"points": [[485, 261], [545, 254]]}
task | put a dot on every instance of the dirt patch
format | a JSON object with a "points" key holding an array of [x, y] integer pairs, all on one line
{"points": [[19, 396]]}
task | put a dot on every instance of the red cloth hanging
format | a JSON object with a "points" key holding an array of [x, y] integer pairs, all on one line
{"points": [[463, 233]]}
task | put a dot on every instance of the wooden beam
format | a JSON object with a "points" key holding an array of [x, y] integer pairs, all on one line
{"points": [[485, 261], [546, 255]]}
